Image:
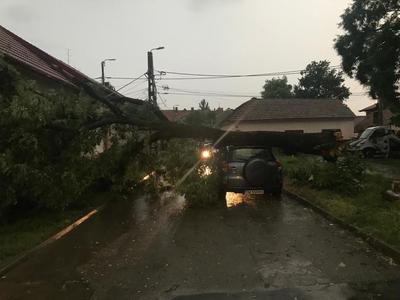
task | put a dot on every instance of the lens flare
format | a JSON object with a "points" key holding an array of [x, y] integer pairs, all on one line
{"points": [[206, 154]]}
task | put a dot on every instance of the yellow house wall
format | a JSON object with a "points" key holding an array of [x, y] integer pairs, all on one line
{"points": [[308, 126]]}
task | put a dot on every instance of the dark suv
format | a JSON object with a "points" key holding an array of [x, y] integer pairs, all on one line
{"points": [[253, 170]]}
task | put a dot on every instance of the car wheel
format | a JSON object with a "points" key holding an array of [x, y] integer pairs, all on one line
{"points": [[368, 153]]}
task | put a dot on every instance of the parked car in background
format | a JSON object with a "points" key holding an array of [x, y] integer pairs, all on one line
{"points": [[252, 170], [378, 140]]}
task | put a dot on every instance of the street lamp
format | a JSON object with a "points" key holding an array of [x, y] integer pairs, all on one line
{"points": [[158, 48], [150, 76], [103, 64]]}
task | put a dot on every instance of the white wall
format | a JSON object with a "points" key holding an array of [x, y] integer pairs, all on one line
{"points": [[308, 126]]}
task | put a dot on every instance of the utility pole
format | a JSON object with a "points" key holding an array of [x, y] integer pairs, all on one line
{"points": [[152, 90], [106, 139], [103, 80], [151, 81], [103, 65]]}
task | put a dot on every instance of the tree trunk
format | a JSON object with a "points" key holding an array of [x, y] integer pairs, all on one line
{"points": [[324, 144]]}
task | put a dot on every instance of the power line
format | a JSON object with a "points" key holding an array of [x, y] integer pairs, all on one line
{"points": [[130, 82], [196, 76], [135, 86], [162, 100], [207, 94], [211, 93], [209, 76]]}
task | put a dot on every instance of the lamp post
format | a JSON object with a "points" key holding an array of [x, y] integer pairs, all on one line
{"points": [[103, 64], [150, 77]]}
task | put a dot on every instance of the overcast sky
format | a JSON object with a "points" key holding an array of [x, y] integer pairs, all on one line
{"points": [[200, 36]]}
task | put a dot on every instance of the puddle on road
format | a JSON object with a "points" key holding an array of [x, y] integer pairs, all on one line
{"points": [[237, 199], [145, 206]]}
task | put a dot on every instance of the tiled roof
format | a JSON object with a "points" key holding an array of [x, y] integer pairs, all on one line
{"points": [[28, 55], [175, 115], [18, 49], [283, 109]]}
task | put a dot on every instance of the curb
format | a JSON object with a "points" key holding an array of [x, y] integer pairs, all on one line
{"points": [[371, 240], [25, 255]]}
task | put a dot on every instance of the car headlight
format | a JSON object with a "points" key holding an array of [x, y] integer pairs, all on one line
{"points": [[205, 154]]}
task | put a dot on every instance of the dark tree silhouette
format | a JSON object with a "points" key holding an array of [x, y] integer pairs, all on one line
{"points": [[319, 80], [277, 88], [370, 47]]}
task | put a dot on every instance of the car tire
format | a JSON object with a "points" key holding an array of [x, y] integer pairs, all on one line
{"points": [[368, 153]]}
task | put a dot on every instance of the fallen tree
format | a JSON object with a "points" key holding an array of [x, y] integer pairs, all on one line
{"points": [[324, 144], [49, 141]]}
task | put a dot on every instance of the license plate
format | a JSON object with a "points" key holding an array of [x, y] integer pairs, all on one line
{"points": [[255, 192]]}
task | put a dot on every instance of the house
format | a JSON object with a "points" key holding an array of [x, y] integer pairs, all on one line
{"points": [[49, 73], [176, 115], [371, 118], [292, 115]]}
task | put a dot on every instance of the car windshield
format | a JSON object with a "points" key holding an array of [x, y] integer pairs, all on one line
{"points": [[367, 133], [244, 154]]}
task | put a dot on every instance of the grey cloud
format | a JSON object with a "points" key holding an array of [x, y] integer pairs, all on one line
{"points": [[19, 13], [202, 5]]}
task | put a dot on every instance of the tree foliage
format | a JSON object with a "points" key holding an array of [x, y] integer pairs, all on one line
{"points": [[319, 80], [204, 117], [47, 156], [203, 105], [277, 88], [370, 47]]}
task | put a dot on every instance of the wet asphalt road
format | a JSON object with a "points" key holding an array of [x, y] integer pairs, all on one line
{"points": [[146, 248]]}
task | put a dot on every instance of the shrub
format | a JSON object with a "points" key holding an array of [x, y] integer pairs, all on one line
{"points": [[346, 176]]}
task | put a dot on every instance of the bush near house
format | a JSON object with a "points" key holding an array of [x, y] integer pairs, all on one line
{"points": [[344, 177], [347, 192]]}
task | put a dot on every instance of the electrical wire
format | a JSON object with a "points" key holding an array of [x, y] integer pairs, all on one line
{"points": [[293, 72], [205, 94], [135, 86], [130, 82], [211, 93], [162, 100], [196, 76]]}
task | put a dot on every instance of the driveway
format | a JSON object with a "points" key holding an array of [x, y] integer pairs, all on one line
{"points": [[148, 248]]}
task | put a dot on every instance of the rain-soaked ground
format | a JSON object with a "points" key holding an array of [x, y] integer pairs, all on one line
{"points": [[146, 248]]}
